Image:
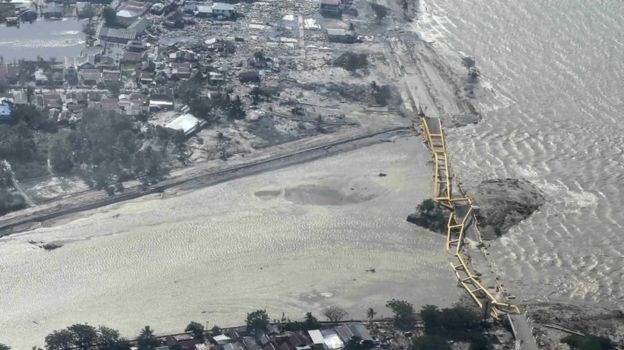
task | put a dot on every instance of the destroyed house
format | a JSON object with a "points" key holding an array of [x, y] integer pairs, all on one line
{"points": [[249, 77], [183, 341], [53, 10], [146, 78], [338, 35], [129, 11], [109, 76], [181, 70], [130, 57], [331, 7], [222, 10], [117, 35], [160, 102]]}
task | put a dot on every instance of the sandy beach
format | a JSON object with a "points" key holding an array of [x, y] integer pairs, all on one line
{"points": [[292, 240]]}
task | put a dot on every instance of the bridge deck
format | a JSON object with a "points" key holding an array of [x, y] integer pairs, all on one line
{"points": [[461, 217]]}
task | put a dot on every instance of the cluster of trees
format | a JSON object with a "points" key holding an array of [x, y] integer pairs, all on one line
{"points": [[441, 326], [404, 315], [86, 337], [430, 216], [352, 61], [456, 323], [380, 11], [589, 342], [309, 322], [212, 108], [23, 143], [107, 148], [385, 95], [17, 140], [110, 16], [258, 320]]}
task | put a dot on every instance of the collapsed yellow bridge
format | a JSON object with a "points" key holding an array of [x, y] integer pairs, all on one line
{"points": [[460, 219]]}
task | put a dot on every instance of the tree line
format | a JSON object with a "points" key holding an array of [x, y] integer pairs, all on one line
{"points": [[441, 327]]}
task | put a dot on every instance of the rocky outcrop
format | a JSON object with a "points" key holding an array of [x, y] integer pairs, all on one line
{"points": [[503, 203], [430, 216]]}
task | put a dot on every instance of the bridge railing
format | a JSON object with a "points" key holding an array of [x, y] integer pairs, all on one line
{"points": [[460, 218]]}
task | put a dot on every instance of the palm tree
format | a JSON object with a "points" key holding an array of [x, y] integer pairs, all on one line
{"points": [[146, 339], [370, 314]]}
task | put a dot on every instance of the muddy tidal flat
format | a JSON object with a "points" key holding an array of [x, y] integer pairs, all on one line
{"points": [[291, 240]]}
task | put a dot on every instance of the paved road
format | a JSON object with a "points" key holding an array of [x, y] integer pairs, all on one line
{"points": [[523, 332]]}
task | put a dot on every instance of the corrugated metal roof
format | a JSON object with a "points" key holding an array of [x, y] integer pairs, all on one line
{"points": [[361, 331], [332, 340], [316, 336], [221, 6], [5, 110]]}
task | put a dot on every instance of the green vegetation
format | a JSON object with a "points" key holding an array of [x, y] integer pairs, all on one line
{"points": [[216, 330], [380, 11], [147, 340], [197, 329], [430, 216], [431, 342], [110, 16], [105, 149], [441, 326], [109, 339], [84, 337], [209, 108], [110, 149], [4, 347], [480, 342], [404, 315], [370, 314], [352, 61], [589, 342], [309, 322], [9, 201], [4, 86], [456, 323], [257, 320], [335, 313], [60, 153], [356, 343]]}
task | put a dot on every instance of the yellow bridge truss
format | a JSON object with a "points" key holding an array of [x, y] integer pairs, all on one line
{"points": [[460, 219]]}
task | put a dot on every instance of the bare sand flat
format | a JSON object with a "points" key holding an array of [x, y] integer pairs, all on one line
{"points": [[291, 240]]}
